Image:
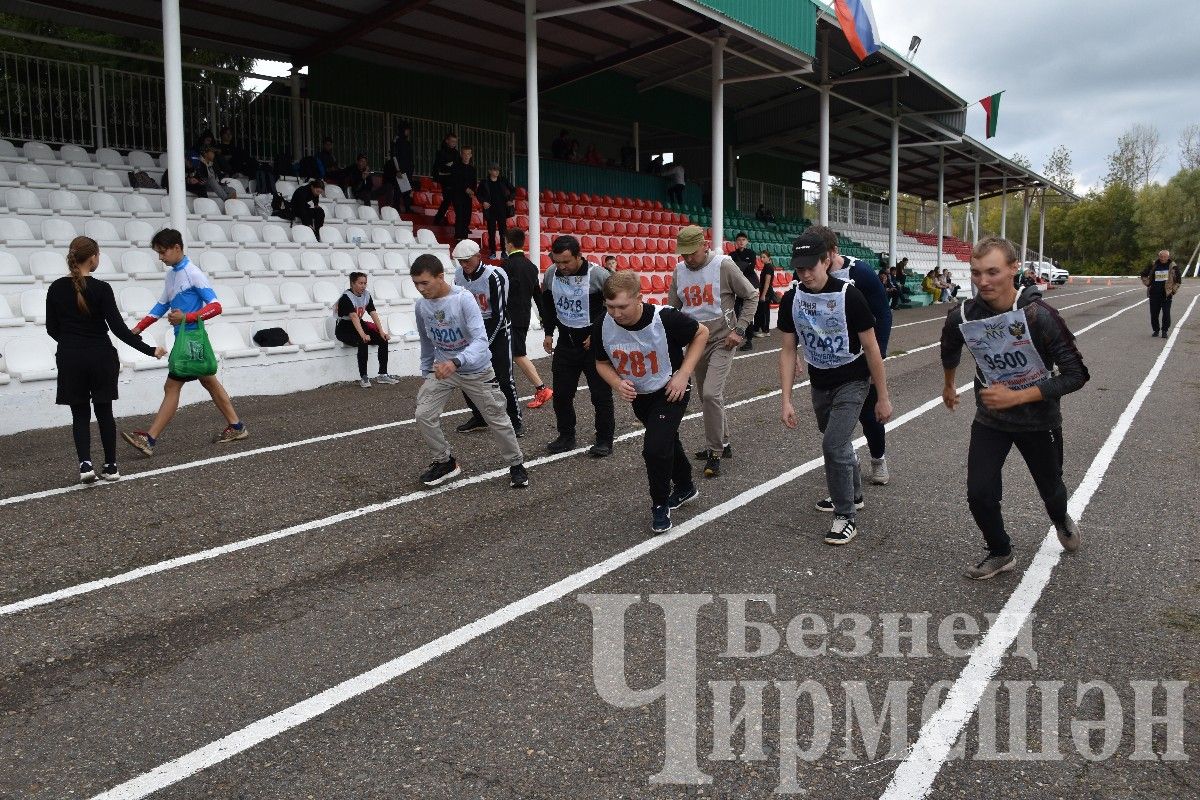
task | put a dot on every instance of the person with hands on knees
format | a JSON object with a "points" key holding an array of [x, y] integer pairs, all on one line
{"points": [[80, 311], [1026, 360], [640, 354], [351, 329], [831, 320], [186, 298], [455, 356]]}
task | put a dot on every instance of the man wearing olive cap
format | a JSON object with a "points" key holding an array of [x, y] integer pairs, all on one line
{"points": [[706, 286]]}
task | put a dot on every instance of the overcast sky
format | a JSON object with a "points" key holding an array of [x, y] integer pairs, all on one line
{"points": [[1075, 72]]}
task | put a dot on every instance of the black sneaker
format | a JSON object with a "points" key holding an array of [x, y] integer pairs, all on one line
{"points": [[517, 476], [86, 473], [562, 444], [704, 455], [712, 467], [747, 346], [600, 450], [473, 424], [440, 471], [111, 473], [679, 498], [662, 519], [842, 531], [827, 504]]}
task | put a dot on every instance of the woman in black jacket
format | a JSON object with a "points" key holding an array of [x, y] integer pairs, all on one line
{"points": [[80, 311]]}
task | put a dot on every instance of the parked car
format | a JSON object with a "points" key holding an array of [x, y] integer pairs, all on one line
{"points": [[1048, 272]]}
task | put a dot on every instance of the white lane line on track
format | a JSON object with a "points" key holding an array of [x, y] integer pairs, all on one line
{"points": [[257, 732], [215, 552], [913, 779], [275, 448]]}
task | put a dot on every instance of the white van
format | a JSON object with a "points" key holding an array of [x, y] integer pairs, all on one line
{"points": [[1048, 272]]}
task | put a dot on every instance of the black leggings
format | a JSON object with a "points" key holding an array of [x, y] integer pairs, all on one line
{"points": [[81, 429], [1043, 454], [666, 463], [347, 335]]}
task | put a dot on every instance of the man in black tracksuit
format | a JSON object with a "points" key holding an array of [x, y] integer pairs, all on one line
{"points": [[463, 182], [1162, 279], [489, 286], [523, 292], [743, 256], [572, 301], [444, 162], [400, 166]]}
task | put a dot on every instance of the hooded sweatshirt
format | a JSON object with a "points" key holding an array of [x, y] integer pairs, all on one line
{"points": [[1054, 343]]}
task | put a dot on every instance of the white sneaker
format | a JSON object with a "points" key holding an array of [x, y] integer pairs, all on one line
{"points": [[365, 383], [879, 471], [388, 379]]}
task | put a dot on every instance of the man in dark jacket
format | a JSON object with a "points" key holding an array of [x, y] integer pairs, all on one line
{"points": [[399, 168], [444, 162], [497, 196], [463, 182], [306, 206], [743, 256], [1161, 279], [523, 292]]}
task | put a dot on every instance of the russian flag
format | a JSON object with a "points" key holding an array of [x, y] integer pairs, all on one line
{"points": [[858, 23]]}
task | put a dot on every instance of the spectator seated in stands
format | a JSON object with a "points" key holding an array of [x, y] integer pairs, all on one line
{"points": [[889, 286], [330, 170], [192, 182], [214, 182], [899, 279], [361, 184], [948, 285], [763, 214], [610, 263], [233, 159], [306, 206], [354, 304], [930, 285], [205, 139], [498, 199]]}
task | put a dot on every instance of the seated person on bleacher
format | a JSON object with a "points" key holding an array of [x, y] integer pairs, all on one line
{"points": [[610, 263], [889, 286], [929, 285], [948, 284], [763, 214], [306, 206], [352, 329], [361, 184], [213, 180]]}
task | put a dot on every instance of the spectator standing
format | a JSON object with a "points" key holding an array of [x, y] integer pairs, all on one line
{"points": [[560, 148], [498, 198], [676, 182], [306, 206], [523, 292], [1161, 279], [353, 330], [80, 311], [399, 169], [743, 256], [445, 164], [766, 296], [463, 183]]}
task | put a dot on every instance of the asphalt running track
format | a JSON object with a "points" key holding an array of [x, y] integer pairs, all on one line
{"points": [[401, 643]]}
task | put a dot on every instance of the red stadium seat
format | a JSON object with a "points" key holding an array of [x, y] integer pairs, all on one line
{"points": [[654, 229], [729, 247], [627, 245], [585, 198], [550, 209], [635, 262], [619, 228], [571, 196], [608, 229], [646, 286], [521, 221], [665, 264], [607, 200], [658, 284], [588, 243], [626, 214], [622, 262], [637, 215], [601, 212], [560, 197], [522, 193], [643, 229], [545, 263], [639, 245], [654, 301], [602, 243], [566, 225], [551, 224], [522, 207]]}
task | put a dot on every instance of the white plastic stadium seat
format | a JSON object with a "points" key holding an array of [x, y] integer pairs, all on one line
{"points": [[244, 234], [70, 176], [250, 262], [211, 232], [332, 236], [260, 297], [10, 269], [58, 232], [425, 236], [231, 303], [74, 154], [302, 234], [139, 232], [61, 200], [228, 341], [304, 332], [24, 201], [408, 288], [138, 205], [106, 270], [403, 323], [102, 231], [106, 204], [39, 151], [357, 235], [342, 262], [109, 157], [368, 214], [135, 301], [369, 263], [238, 208], [47, 265], [326, 293], [140, 265], [216, 265], [385, 292], [15, 230], [276, 235], [345, 212], [141, 160], [7, 318], [107, 179], [206, 207], [334, 192], [136, 359], [313, 262], [296, 296], [284, 263], [381, 236], [9, 152], [33, 303], [31, 358], [389, 214], [404, 236], [5, 181]]}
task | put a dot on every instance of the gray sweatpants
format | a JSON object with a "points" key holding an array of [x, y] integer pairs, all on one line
{"points": [[711, 372], [837, 411], [484, 391]]}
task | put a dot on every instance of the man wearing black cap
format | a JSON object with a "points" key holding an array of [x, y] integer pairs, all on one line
{"points": [[572, 302], [831, 320], [743, 256]]}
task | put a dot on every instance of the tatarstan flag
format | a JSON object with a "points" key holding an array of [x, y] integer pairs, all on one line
{"points": [[992, 106]]}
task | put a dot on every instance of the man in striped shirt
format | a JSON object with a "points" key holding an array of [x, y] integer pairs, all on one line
{"points": [[489, 286]]}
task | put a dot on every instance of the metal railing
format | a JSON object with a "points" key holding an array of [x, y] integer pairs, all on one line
{"points": [[46, 100], [489, 145], [783, 201]]}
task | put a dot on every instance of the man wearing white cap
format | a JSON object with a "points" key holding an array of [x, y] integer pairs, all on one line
{"points": [[489, 286], [706, 287]]}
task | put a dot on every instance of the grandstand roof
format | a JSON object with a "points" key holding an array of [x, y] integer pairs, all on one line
{"points": [[771, 92]]}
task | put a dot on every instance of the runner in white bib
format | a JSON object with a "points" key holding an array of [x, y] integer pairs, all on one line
{"points": [[1026, 360], [639, 353]]}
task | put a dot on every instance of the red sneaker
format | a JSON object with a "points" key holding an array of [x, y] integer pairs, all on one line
{"points": [[541, 397]]}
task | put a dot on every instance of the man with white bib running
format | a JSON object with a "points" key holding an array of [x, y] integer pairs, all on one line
{"points": [[706, 286], [831, 321], [639, 353], [1026, 360]]}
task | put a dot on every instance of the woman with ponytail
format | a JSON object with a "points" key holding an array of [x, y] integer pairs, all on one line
{"points": [[80, 311]]}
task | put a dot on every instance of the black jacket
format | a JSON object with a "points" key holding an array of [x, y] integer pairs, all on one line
{"points": [[523, 289], [444, 163], [498, 192], [402, 153], [304, 199], [463, 177], [74, 330]]}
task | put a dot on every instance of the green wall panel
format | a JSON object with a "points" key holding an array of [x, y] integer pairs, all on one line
{"points": [[790, 22]]}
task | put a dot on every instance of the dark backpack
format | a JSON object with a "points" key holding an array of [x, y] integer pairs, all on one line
{"points": [[271, 337], [141, 180]]}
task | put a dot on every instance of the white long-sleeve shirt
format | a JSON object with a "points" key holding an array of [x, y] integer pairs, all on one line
{"points": [[451, 329]]}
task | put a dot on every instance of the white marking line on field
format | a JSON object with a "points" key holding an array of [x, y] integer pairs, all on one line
{"points": [[913, 779], [942, 317], [243, 544], [260, 731], [271, 726], [275, 448]]}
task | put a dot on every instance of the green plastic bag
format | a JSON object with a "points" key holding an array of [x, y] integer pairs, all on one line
{"points": [[192, 355]]}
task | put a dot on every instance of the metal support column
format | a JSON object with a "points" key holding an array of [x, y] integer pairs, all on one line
{"points": [[894, 192], [297, 135], [533, 178], [98, 106], [941, 203], [823, 125], [1025, 201], [1042, 226], [976, 239], [1004, 208], [173, 86], [718, 143], [637, 147]]}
